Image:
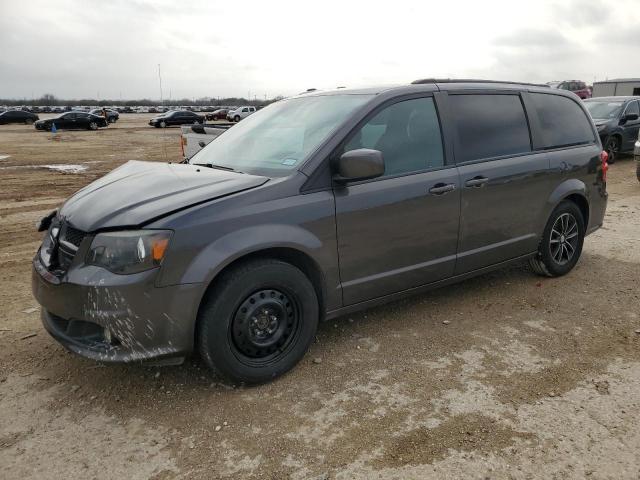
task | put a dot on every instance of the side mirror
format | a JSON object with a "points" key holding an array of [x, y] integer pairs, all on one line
{"points": [[630, 117], [360, 164]]}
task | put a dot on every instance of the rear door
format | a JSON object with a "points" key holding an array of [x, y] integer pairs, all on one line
{"points": [[400, 230], [504, 185]]}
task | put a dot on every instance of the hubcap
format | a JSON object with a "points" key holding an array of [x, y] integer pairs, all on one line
{"points": [[264, 324], [564, 238]]}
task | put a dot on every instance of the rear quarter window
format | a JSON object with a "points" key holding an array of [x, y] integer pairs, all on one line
{"points": [[489, 125], [562, 122]]}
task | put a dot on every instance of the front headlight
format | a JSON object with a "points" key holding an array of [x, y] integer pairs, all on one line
{"points": [[129, 251]]}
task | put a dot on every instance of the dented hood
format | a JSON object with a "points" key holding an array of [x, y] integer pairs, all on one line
{"points": [[138, 192]]}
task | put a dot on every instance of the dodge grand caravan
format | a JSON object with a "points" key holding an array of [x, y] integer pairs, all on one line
{"points": [[313, 207]]}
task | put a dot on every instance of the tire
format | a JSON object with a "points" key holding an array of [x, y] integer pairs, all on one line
{"points": [[215, 118], [638, 169], [162, 124], [28, 121], [564, 230], [612, 147], [236, 118], [241, 332], [93, 126]]}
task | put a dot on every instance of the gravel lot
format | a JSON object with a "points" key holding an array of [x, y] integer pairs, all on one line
{"points": [[531, 377]]}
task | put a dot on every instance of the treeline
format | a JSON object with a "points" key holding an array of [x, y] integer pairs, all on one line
{"points": [[52, 101]]}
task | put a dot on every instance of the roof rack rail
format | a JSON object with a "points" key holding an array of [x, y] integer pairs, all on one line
{"points": [[471, 80]]}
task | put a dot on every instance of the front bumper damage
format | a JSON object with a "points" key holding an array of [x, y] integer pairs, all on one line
{"points": [[117, 318]]}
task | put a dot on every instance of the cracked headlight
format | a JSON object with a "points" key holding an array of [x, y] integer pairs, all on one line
{"points": [[129, 251]]}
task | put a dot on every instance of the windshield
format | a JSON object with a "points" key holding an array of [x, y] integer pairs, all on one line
{"points": [[604, 109], [276, 139]]}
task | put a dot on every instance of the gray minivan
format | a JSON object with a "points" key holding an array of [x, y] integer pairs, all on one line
{"points": [[313, 207]]}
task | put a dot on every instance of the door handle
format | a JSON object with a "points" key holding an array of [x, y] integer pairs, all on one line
{"points": [[476, 182], [442, 188]]}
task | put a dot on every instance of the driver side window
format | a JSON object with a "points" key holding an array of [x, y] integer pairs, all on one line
{"points": [[408, 135]]}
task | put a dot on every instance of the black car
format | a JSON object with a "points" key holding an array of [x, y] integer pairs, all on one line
{"points": [[112, 115], [618, 122], [17, 116], [72, 120], [176, 117], [321, 205]]}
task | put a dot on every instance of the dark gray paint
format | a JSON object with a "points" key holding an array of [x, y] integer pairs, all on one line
{"points": [[368, 242]]}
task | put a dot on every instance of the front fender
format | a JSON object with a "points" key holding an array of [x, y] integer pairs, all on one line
{"points": [[228, 248]]}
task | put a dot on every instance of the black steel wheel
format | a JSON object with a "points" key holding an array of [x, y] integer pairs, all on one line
{"points": [[561, 243], [264, 325], [257, 321], [612, 147]]}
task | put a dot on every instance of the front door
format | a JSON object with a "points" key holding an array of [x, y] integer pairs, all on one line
{"points": [[400, 230], [630, 127]]}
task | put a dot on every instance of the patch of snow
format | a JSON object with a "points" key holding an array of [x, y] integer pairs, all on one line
{"points": [[66, 168], [4, 157]]}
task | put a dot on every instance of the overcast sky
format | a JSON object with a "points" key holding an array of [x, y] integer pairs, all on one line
{"points": [[111, 49]]}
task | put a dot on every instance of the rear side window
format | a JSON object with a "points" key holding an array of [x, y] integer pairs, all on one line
{"points": [[489, 126], [562, 121]]}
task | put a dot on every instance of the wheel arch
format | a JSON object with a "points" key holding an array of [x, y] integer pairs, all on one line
{"points": [[573, 190]]}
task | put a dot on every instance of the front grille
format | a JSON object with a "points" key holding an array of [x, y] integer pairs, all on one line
{"points": [[72, 235], [65, 257]]}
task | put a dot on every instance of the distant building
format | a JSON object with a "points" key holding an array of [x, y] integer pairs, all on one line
{"points": [[617, 87]]}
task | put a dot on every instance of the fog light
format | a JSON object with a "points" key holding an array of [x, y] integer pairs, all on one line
{"points": [[107, 335]]}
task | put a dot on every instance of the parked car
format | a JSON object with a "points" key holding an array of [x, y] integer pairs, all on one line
{"points": [[240, 113], [576, 86], [219, 114], [17, 116], [72, 120], [617, 120], [112, 115], [195, 137], [323, 204], [175, 117], [636, 156]]}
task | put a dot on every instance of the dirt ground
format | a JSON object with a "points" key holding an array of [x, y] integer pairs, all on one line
{"points": [[531, 377]]}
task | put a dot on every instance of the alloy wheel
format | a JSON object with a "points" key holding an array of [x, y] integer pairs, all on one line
{"points": [[564, 238]]}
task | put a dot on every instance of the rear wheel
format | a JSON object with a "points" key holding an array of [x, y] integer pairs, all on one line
{"points": [[28, 121], [612, 147], [561, 243], [258, 322]]}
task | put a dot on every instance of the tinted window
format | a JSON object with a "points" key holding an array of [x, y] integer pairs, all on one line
{"points": [[408, 135], [633, 108], [562, 121], [489, 126]]}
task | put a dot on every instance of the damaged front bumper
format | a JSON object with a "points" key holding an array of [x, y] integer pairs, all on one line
{"points": [[117, 318]]}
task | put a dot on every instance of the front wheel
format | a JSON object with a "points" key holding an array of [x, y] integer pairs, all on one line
{"points": [[215, 118], [28, 121], [163, 124], [236, 118], [612, 147], [258, 322], [561, 243]]}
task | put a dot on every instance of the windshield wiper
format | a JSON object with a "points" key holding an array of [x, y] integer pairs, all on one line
{"points": [[217, 167]]}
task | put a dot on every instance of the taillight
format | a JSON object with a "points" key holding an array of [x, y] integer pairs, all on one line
{"points": [[604, 156]]}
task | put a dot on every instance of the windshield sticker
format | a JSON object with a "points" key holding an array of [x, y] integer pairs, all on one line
{"points": [[289, 161]]}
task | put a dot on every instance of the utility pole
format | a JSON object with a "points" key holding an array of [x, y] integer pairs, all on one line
{"points": [[160, 80]]}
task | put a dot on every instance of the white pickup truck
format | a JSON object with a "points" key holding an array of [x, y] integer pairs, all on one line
{"points": [[196, 137]]}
